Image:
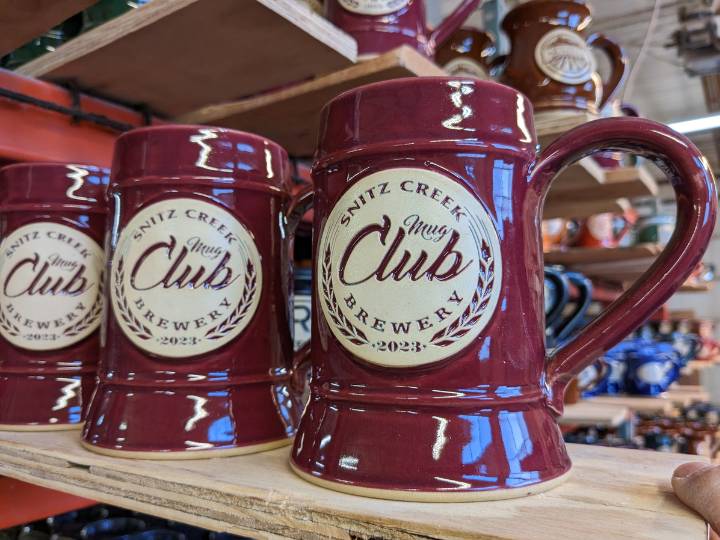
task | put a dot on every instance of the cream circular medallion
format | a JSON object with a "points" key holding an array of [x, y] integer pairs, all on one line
{"points": [[409, 268], [52, 294], [565, 56], [373, 7], [466, 67], [186, 278]]}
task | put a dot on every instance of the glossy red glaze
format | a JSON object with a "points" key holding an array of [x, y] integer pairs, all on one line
{"points": [[229, 397], [482, 419], [50, 388], [400, 22]]}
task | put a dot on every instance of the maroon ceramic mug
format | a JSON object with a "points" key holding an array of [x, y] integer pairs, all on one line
{"points": [[382, 25], [52, 225], [430, 376], [197, 347]]}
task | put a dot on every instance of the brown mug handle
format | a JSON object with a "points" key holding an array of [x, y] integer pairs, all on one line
{"points": [[620, 67], [299, 205], [452, 22], [697, 204]]}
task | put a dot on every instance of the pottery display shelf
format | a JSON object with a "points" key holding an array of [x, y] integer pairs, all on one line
{"points": [[258, 496], [615, 265], [587, 188], [175, 56], [291, 115], [589, 413], [22, 21], [677, 396]]}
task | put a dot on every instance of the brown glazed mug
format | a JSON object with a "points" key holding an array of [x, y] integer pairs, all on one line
{"points": [[382, 25], [197, 343], [551, 60], [431, 380], [600, 230], [467, 53], [52, 225]]}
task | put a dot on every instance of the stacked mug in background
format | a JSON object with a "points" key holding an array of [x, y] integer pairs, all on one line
{"points": [[427, 259]]}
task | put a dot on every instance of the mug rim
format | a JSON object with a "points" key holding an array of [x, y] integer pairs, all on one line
{"points": [[49, 165], [582, 5], [404, 81], [130, 134]]}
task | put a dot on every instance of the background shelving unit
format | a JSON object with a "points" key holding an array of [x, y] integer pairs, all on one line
{"points": [[175, 56], [269, 66]]}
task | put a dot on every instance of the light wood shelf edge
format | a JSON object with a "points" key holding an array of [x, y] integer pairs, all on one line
{"points": [[403, 56], [148, 14], [258, 496]]}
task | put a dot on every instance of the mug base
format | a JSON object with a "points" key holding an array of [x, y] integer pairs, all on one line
{"points": [[433, 496], [40, 427], [185, 422], [468, 450], [187, 454]]}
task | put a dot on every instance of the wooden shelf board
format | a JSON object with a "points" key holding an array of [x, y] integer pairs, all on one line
{"points": [[685, 394], [259, 496], [586, 173], [584, 208], [23, 20], [642, 404], [629, 182], [176, 56], [589, 413], [574, 256], [291, 116], [696, 287], [549, 125], [678, 395]]}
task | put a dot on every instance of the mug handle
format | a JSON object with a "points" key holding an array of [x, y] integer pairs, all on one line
{"points": [[620, 68], [562, 296], [585, 290], [697, 204], [452, 22], [299, 205]]}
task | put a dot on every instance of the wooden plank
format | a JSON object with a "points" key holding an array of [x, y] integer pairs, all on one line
{"points": [[586, 173], [549, 125], [259, 496], [686, 394], [291, 116], [179, 55], [573, 256], [627, 182], [584, 208], [659, 404], [23, 20], [694, 286], [588, 413]]}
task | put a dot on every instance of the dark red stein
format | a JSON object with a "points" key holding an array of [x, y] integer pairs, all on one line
{"points": [[430, 376], [52, 225], [198, 349]]}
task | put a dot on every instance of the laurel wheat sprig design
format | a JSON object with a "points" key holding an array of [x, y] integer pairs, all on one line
{"points": [[7, 325], [479, 303], [134, 324], [90, 317], [241, 310], [342, 323]]}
